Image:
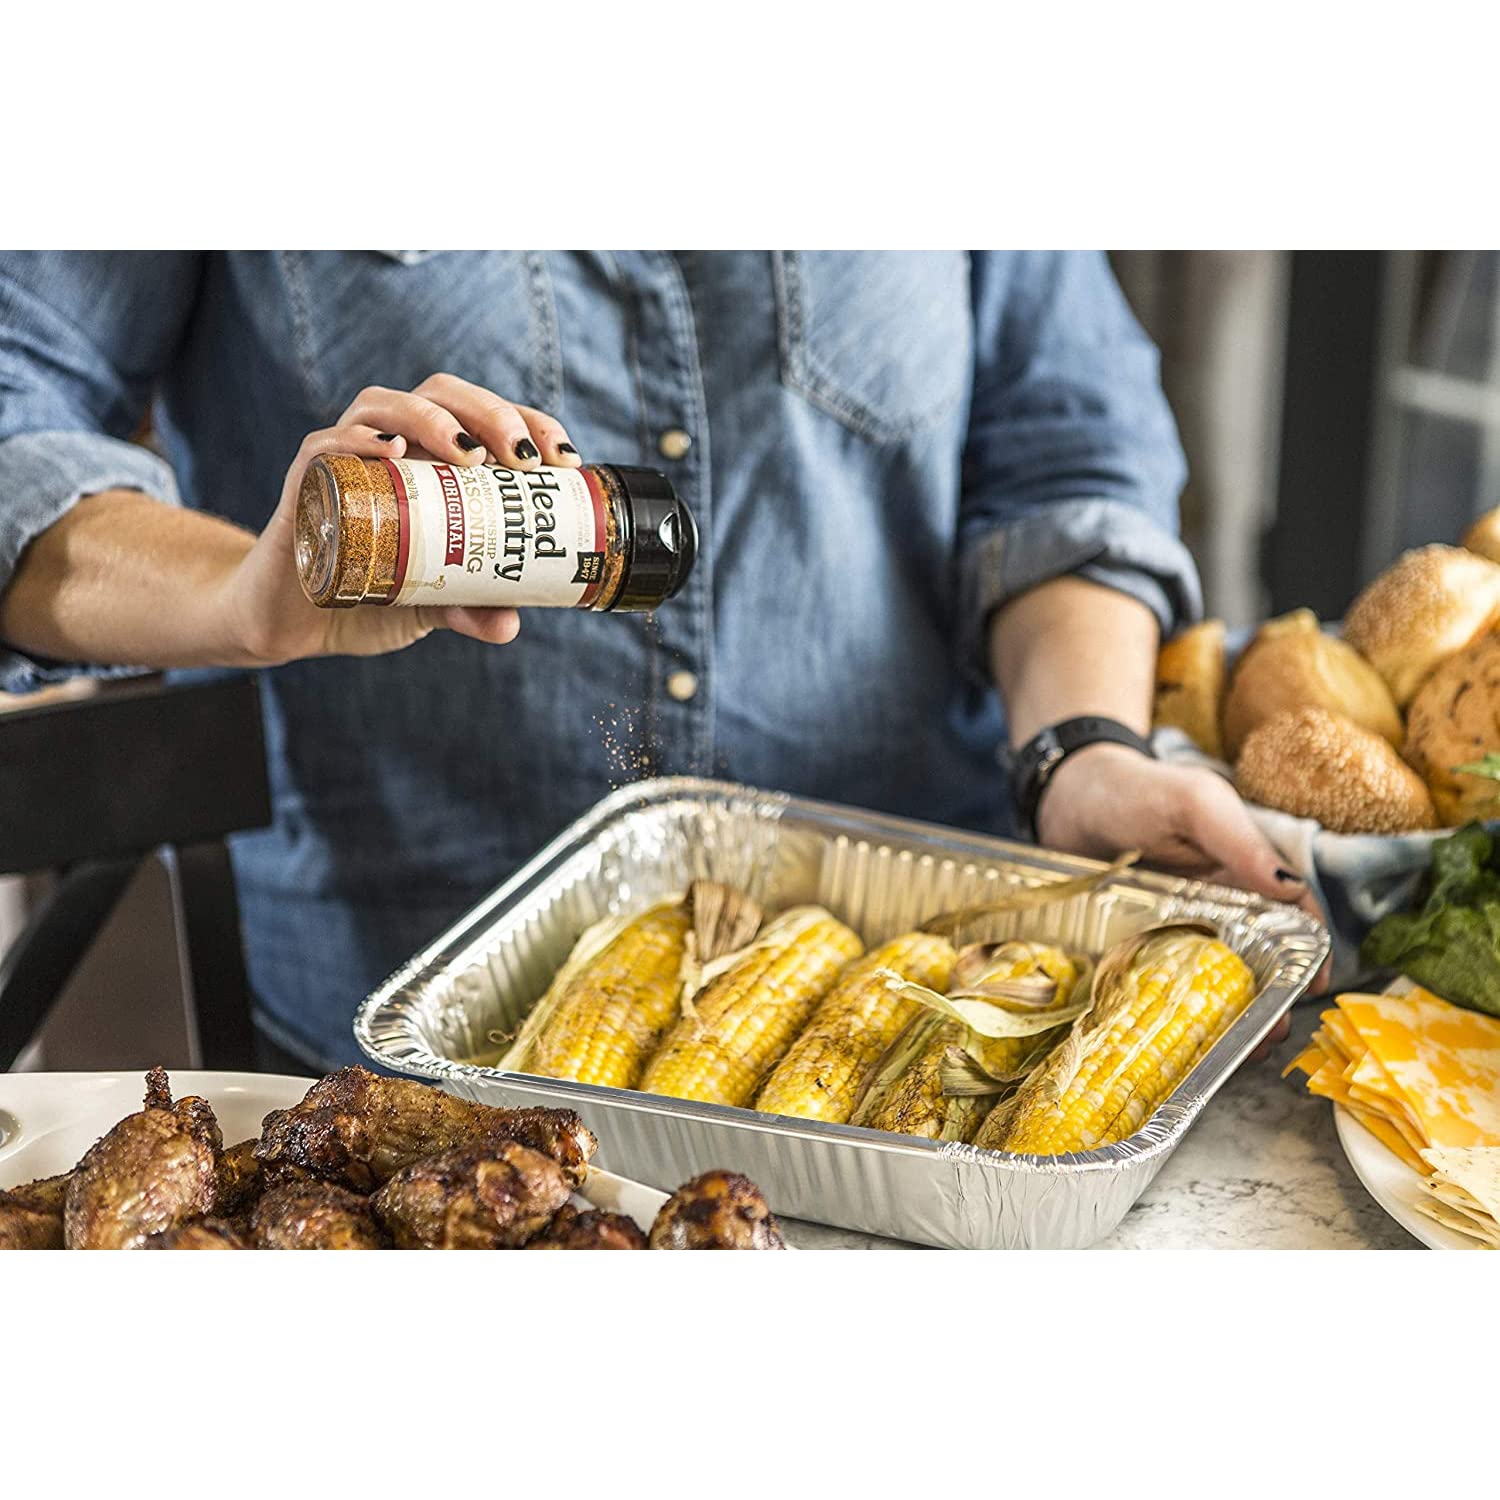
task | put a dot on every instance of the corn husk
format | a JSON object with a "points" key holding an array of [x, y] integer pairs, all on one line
{"points": [[949, 924], [724, 918]]}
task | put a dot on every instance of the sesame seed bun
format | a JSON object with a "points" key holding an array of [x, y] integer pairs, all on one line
{"points": [[1428, 604], [1455, 719], [1190, 685], [1291, 664], [1320, 765], [1483, 536]]}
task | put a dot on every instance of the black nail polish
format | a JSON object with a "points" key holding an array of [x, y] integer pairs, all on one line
{"points": [[467, 443], [1289, 876], [567, 448], [526, 450], [385, 437]]}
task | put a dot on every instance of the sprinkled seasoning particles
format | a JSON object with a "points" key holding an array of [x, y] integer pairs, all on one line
{"points": [[401, 531]]}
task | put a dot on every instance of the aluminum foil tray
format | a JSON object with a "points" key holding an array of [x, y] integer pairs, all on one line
{"points": [[882, 875]]}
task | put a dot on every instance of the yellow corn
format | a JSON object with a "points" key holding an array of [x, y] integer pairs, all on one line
{"points": [[916, 1105], [824, 1073], [607, 1018], [1148, 1026], [751, 1008], [1002, 1055]]}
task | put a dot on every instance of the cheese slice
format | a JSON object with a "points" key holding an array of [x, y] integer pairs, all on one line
{"points": [[1387, 1135], [1370, 1085], [1340, 1036], [1443, 1062]]}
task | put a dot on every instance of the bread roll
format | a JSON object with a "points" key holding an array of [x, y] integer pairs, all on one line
{"points": [[1190, 685], [1428, 604], [1320, 765], [1292, 664], [1483, 536], [1455, 719]]}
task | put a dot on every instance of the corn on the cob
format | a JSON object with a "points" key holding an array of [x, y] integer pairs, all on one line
{"points": [[1001, 1055], [1160, 1000], [610, 1003], [906, 1096], [914, 1103], [751, 1007], [824, 1073]]}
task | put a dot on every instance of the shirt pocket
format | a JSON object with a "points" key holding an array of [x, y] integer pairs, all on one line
{"points": [[394, 317], [879, 339]]}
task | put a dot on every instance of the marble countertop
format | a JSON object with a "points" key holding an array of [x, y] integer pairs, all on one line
{"points": [[1260, 1170]]}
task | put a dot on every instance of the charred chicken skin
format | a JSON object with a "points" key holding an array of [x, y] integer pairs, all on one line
{"points": [[717, 1211], [493, 1195], [153, 1171], [593, 1229], [237, 1179], [315, 1216], [26, 1226], [201, 1234], [359, 1129]]}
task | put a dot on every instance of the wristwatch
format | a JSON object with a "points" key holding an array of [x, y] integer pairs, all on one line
{"points": [[1036, 762]]}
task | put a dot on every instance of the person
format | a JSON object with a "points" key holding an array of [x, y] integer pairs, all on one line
{"points": [[926, 484]]}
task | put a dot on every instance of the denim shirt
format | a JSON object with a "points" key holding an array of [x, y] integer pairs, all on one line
{"points": [[885, 447]]}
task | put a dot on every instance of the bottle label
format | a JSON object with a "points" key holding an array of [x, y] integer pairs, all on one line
{"points": [[489, 536]]}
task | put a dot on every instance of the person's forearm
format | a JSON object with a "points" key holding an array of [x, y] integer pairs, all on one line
{"points": [[1072, 647], [126, 580]]}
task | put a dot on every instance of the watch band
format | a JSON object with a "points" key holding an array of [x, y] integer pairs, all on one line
{"points": [[1036, 762]]}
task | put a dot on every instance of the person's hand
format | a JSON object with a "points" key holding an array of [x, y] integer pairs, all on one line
{"points": [[1185, 820], [445, 418]]}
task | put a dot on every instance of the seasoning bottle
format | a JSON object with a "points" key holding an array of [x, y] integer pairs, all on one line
{"points": [[404, 531]]}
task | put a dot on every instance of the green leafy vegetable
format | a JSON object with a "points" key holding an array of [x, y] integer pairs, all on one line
{"points": [[1452, 945], [1489, 766]]}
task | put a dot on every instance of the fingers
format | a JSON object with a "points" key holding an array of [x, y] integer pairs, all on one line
{"points": [[551, 437], [1211, 816], [456, 421], [515, 435], [357, 438], [424, 423], [495, 627]]}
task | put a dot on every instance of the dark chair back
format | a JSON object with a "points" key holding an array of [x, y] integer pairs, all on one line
{"points": [[91, 787]]}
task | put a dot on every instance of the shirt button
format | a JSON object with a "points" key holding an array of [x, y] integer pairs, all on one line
{"points": [[674, 443], [682, 685]]}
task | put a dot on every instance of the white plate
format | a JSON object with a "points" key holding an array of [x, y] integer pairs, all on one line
{"points": [[1395, 1186], [48, 1120]]}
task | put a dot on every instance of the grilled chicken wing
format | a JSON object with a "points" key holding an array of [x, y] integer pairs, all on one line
{"points": [[360, 1129], [25, 1226], [493, 1195], [315, 1216], [594, 1229], [153, 1171], [201, 1234], [717, 1211], [237, 1179]]}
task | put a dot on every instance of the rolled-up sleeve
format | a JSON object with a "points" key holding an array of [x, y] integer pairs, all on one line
{"points": [[1072, 464], [83, 338]]}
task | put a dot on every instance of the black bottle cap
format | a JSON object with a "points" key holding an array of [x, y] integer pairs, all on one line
{"points": [[663, 541]]}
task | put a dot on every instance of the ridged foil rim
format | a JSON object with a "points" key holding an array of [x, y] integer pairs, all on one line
{"points": [[383, 1030]]}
